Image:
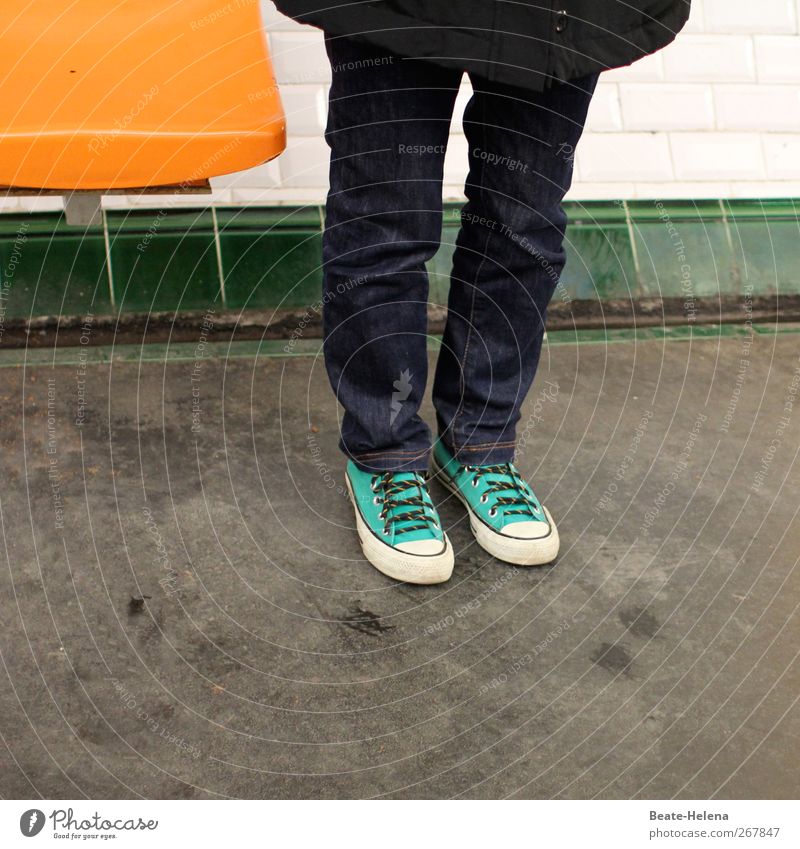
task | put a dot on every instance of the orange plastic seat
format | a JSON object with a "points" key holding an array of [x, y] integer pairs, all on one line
{"points": [[134, 93]]}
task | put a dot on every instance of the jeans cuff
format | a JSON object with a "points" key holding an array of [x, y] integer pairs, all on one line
{"points": [[481, 453], [375, 462]]}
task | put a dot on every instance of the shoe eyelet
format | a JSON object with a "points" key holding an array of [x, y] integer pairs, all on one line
{"points": [[474, 481], [493, 512], [376, 500], [484, 499], [385, 532]]}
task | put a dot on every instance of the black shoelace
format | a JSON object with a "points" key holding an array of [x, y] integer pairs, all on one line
{"points": [[409, 493], [523, 506]]}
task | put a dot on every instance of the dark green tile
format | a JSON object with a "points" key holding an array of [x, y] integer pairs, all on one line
{"points": [[164, 261], [276, 268], [263, 218], [599, 261], [43, 224], [139, 222], [766, 249], [599, 258], [676, 210], [47, 268], [680, 258], [772, 208], [595, 211]]}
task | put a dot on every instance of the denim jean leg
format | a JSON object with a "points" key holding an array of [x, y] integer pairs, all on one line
{"points": [[508, 258], [387, 129]]}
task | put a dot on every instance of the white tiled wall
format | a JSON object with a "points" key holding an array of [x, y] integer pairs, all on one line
{"points": [[715, 114]]}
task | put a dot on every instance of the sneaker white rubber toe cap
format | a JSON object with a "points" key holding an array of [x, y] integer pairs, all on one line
{"points": [[526, 530], [520, 551], [423, 547]]}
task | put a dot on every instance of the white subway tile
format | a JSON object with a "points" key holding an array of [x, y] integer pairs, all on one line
{"points": [[766, 189], [696, 22], [292, 196], [604, 111], [576, 170], [462, 99], [305, 162], [647, 69], [299, 58], [778, 58], [453, 193], [764, 108], [456, 161], [678, 190], [667, 106], [150, 201], [263, 176], [709, 58], [252, 196], [46, 203], [717, 156], [622, 157], [744, 16], [277, 21], [601, 191], [782, 153], [306, 108]]}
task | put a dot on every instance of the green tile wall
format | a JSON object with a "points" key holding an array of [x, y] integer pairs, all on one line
{"points": [[600, 262], [271, 258], [164, 260], [682, 249], [49, 268], [268, 257], [766, 245]]}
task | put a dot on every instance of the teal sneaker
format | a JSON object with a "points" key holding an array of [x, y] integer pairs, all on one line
{"points": [[398, 526], [505, 516]]}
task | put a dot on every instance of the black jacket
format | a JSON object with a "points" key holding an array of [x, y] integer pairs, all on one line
{"points": [[517, 42]]}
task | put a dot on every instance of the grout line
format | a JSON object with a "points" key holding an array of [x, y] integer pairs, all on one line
{"points": [[734, 273], [218, 246], [107, 240], [727, 224], [632, 239]]}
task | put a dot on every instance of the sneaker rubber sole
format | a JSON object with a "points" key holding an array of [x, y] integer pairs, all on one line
{"points": [[519, 552], [411, 568]]}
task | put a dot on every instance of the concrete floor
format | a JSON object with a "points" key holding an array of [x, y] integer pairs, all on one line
{"points": [[186, 615]]}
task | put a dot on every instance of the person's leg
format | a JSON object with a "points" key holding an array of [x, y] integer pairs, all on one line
{"points": [[387, 128], [507, 261], [388, 125]]}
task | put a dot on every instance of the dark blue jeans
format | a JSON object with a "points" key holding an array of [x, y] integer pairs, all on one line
{"points": [[388, 127]]}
